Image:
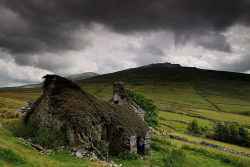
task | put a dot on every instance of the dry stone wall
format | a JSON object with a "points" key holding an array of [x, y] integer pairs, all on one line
{"points": [[203, 143]]}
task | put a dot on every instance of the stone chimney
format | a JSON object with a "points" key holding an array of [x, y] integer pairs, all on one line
{"points": [[121, 98], [119, 95]]}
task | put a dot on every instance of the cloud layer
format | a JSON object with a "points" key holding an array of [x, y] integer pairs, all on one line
{"points": [[74, 36]]}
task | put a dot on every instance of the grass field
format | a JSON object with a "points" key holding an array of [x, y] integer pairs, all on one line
{"points": [[14, 153], [10, 103], [227, 145]]}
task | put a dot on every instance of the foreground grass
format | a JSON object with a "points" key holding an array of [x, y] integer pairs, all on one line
{"points": [[213, 157], [163, 152], [166, 152], [15, 153]]}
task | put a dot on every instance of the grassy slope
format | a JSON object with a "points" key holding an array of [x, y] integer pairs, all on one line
{"points": [[183, 90], [15, 153]]}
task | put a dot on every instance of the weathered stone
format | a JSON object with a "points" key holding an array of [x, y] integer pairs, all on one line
{"points": [[92, 157], [203, 143], [90, 123], [121, 98], [133, 144], [80, 152]]}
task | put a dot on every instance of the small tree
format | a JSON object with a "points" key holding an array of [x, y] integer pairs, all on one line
{"points": [[243, 137], [233, 134], [148, 105], [194, 127]]}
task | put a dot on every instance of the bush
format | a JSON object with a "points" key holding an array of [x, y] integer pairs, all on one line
{"points": [[231, 134], [50, 139], [148, 105], [194, 127], [126, 155]]}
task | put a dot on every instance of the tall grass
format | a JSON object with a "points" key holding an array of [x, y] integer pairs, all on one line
{"points": [[10, 157], [47, 139]]}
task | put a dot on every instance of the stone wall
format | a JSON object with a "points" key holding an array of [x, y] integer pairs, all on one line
{"points": [[203, 143]]}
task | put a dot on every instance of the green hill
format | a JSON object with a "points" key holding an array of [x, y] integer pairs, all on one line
{"points": [[182, 94], [82, 76], [182, 86]]}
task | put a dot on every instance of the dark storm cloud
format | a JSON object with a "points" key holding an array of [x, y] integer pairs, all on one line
{"points": [[47, 25], [213, 41]]}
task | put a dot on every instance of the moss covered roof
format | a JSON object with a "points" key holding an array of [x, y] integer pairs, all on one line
{"points": [[82, 109]]}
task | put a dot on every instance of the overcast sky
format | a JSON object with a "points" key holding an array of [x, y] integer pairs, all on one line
{"points": [[68, 37]]}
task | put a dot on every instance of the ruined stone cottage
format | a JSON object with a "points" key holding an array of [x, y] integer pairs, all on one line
{"points": [[121, 98], [91, 124]]}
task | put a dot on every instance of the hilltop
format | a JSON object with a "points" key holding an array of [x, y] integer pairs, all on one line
{"points": [[82, 76]]}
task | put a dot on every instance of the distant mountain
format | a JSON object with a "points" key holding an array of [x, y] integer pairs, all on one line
{"points": [[82, 76]]}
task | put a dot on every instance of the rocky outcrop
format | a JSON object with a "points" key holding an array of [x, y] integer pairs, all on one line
{"points": [[91, 124]]}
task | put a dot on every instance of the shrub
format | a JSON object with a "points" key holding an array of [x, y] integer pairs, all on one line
{"points": [[148, 105], [194, 127], [50, 139], [231, 134], [126, 155]]}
